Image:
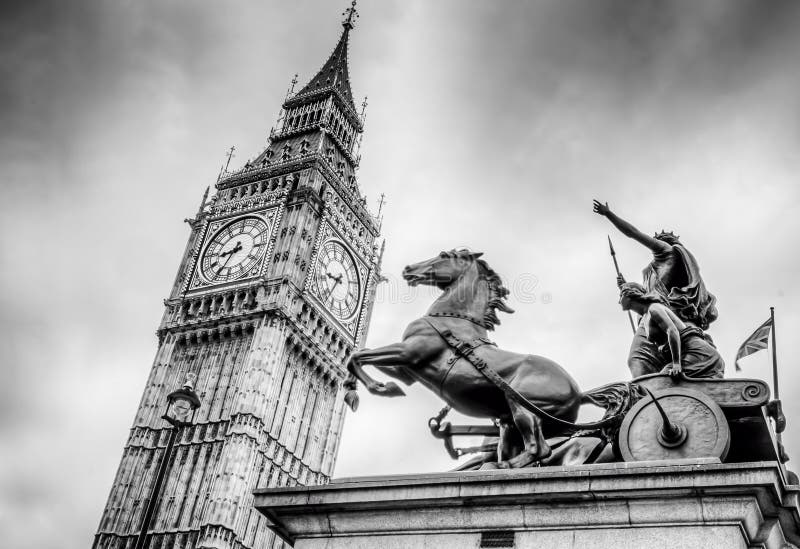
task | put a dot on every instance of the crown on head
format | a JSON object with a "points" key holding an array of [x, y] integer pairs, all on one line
{"points": [[664, 233]]}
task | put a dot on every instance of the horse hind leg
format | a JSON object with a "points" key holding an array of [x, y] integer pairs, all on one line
{"points": [[508, 446], [530, 428]]}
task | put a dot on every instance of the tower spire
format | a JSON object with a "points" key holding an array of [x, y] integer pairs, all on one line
{"points": [[350, 16], [334, 74]]}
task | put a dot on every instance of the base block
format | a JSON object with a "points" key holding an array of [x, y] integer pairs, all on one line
{"points": [[652, 505]]}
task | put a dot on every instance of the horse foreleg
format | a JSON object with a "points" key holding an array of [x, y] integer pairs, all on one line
{"points": [[400, 374], [530, 428], [390, 359]]}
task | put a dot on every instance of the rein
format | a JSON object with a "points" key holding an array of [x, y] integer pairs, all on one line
{"points": [[462, 349]]}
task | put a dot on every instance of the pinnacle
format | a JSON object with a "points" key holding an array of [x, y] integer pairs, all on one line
{"points": [[334, 73]]}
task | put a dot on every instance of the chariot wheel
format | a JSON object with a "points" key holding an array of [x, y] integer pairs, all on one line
{"points": [[688, 425]]}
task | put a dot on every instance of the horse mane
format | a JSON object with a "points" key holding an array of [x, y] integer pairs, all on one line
{"points": [[497, 292]]}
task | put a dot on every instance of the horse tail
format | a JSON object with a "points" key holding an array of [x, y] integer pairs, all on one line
{"points": [[615, 398]]}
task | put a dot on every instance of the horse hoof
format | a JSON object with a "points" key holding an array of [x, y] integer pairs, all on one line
{"points": [[526, 459], [490, 466], [392, 389], [351, 399]]}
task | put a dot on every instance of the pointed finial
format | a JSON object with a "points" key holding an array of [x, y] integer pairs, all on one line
{"points": [[363, 106], [230, 155], [350, 15], [291, 89], [203, 202], [381, 204]]}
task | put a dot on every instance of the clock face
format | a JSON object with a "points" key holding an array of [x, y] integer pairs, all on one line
{"points": [[235, 250], [336, 280]]}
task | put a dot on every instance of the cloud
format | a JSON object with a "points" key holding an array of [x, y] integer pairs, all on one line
{"points": [[490, 125]]}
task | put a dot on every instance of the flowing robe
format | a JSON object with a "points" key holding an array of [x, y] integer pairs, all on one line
{"points": [[675, 275]]}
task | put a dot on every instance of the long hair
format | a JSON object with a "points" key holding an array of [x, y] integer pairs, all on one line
{"points": [[637, 292]]}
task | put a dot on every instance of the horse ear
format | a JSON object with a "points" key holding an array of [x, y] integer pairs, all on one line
{"points": [[476, 255]]}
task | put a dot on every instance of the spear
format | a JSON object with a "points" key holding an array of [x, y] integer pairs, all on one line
{"points": [[616, 268]]}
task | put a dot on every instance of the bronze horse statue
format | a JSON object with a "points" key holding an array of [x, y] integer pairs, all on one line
{"points": [[447, 351]]}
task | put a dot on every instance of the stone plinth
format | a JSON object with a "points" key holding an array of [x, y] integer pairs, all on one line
{"points": [[653, 505]]}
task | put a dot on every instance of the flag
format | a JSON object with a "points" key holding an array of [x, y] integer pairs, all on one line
{"points": [[756, 342]]}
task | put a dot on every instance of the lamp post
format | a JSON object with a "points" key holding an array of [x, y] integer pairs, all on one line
{"points": [[181, 407]]}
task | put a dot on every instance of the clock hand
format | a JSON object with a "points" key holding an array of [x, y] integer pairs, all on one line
{"points": [[233, 250], [223, 265], [230, 256], [337, 278], [330, 292], [229, 253]]}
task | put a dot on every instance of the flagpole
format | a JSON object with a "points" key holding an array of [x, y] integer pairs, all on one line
{"points": [[778, 438], [774, 355]]}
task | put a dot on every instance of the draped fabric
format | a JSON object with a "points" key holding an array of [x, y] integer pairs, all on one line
{"points": [[699, 357], [691, 302], [644, 357]]}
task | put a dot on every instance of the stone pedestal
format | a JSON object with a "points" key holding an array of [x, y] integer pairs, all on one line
{"points": [[652, 505]]}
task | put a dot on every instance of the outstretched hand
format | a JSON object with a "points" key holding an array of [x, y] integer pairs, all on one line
{"points": [[599, 208]]}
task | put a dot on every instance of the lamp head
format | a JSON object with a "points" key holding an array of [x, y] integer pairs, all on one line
{"points": [[182, 404]]}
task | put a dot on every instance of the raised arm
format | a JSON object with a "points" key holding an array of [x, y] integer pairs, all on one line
{"points": [[629, 230]]}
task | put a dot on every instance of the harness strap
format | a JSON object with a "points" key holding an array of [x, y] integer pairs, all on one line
{"points": [[466, 347], [463, 349], [462, 316]]}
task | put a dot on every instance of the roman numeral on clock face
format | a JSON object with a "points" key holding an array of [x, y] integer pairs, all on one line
{"points": [[336, 280], [235, 250]]}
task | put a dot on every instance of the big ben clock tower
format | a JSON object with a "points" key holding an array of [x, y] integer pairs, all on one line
{"points": [[275, 288]]}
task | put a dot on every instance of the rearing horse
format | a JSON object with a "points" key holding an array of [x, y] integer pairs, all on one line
{"points": [[471, 294]]}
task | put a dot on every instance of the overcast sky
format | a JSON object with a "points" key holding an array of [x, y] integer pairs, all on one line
{"points": [[491, 125]]}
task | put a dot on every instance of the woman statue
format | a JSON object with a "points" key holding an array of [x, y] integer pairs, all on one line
{"points": [[682, 346]]}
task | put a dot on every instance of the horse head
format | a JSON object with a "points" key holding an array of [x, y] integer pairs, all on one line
{"points": [[442, 270], [471, 286]]}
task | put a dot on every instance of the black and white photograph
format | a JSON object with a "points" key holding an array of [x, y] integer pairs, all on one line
{"points": [[353, 274]]}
